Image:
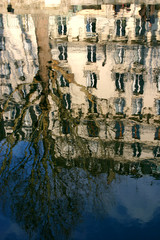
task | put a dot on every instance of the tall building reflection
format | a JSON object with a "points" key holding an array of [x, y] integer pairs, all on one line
{"points": [[70, 123], [103, 87]]}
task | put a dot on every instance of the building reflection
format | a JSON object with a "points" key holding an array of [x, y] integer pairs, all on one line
{"points": [[108, 92], [93, 114]]}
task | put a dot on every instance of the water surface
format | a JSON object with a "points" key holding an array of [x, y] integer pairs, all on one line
{"points": [[80, 123]]}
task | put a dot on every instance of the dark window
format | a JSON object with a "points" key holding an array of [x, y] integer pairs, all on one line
{"points": [[7, 89], [119, 82], [119, 148], [121, 27], [156, 151], [2, 43], [65, 127], [67, 101], [63, 82], [136, 149], [24, 91], [19, 66], [5, 70], [92, 80], [91, 53], [158, 82], [135, 131], [62, 52], [119, 55], [92, 106], [137, 106], [119, 130], [93, 130], [138, 84], [157, 134], [91, 25], [158, 106], [1, 21], [62, 26], [141, 55], [119, 105], [140, 28]]}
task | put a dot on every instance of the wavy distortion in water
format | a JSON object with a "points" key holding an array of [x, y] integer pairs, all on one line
{"points": [[80, 122]]}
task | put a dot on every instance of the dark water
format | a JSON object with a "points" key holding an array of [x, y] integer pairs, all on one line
{"points": [[80, 123]]}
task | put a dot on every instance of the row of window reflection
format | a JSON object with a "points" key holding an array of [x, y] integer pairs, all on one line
{"points": [[23, 22], [139, 55], [91, 79], [119, 103], [5, 70], [93, 130], [136, 149], [91, 53], [137, 104], [138, 83], [120, 26]]}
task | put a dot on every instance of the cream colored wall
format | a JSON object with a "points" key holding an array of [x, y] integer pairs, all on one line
{"points": [[17, 49]]}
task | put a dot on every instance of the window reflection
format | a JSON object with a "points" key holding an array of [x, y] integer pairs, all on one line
{"points": [[156, 151], [62, 26], [119, 105], [141, 54], [157, 102], [65, 127], [62, 52], [10, 114], [92, 106], [92, 128], [63, 82], [119, 55], [157, 134], [140, 28], [2, 43], [118, 147], [137, 106], [136, 131], [119, 130], [138, 84], [67, 101], [91, 25], [121, 27], [27, 118], [136, 149], [158, 82], [91, 80], [118, 7], [91, 53], [7, 89], [119, 82], [19, 66], [1, 21], [5, 70]]}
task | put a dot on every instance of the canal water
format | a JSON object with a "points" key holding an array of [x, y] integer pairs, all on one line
{"points": [[80, 123]]}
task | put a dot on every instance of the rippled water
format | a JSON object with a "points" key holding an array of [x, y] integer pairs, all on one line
{"points": [[80, 122]]}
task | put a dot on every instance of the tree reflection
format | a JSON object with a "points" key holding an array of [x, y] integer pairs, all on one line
{"points": [[44, 197], [46, 191]]}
